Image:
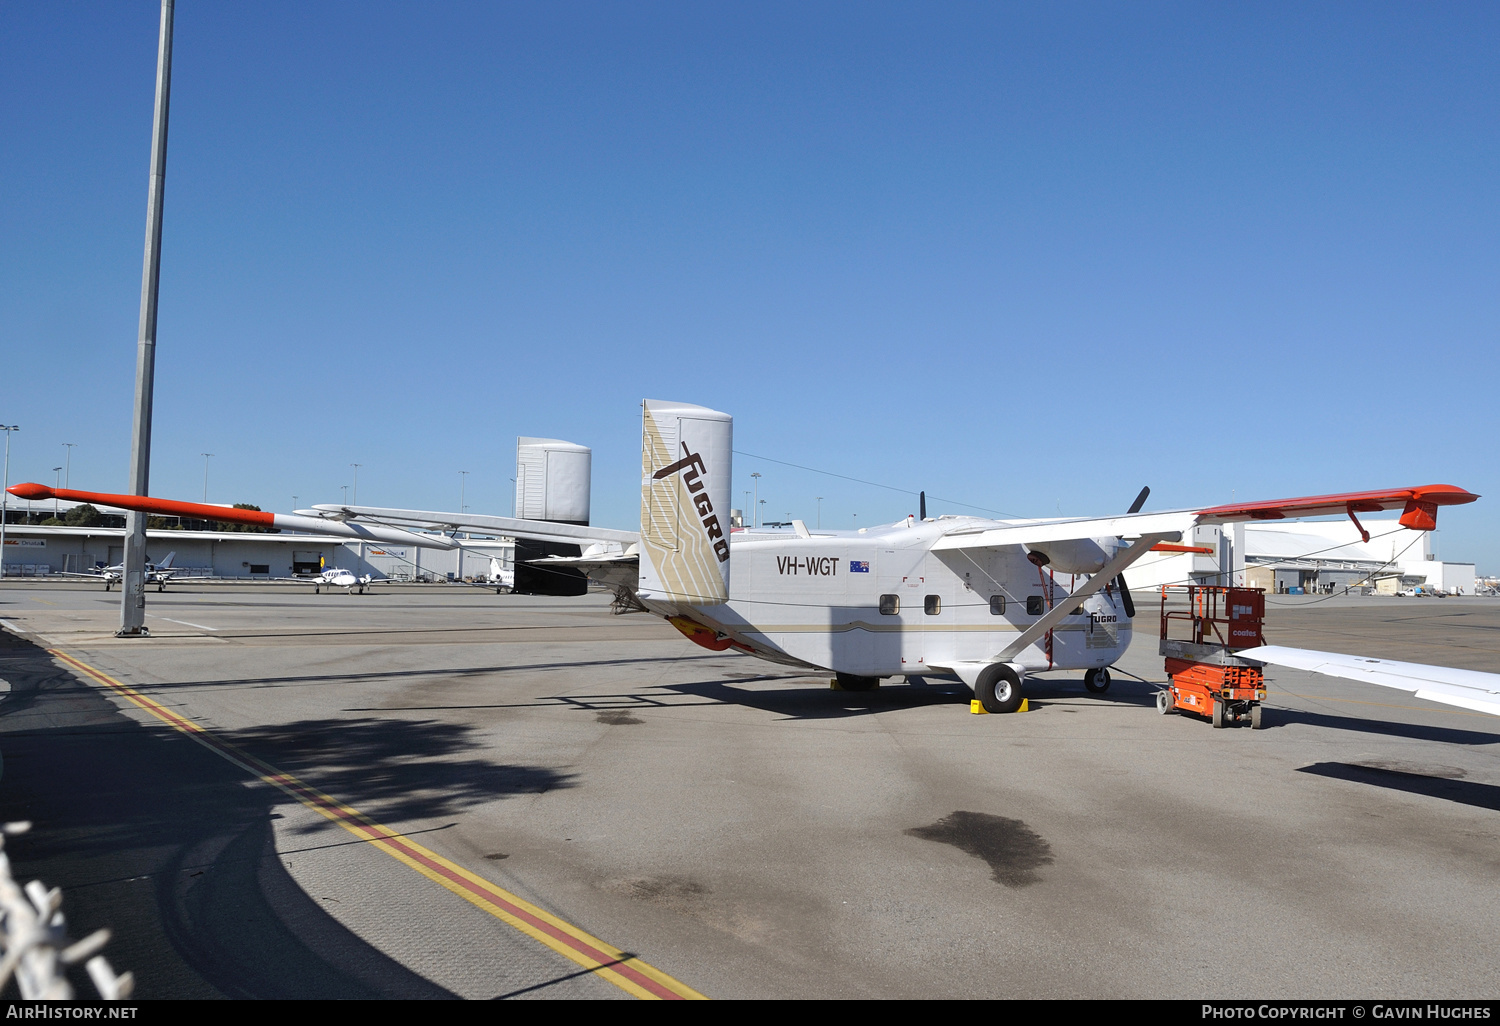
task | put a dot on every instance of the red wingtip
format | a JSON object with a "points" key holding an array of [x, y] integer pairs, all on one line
{"points": [[30, 490]]}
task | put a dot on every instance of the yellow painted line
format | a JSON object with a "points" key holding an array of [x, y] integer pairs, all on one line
{"points": [[625, 971]]}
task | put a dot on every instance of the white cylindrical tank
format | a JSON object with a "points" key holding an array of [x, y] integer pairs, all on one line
{"points": [[552, 480]]}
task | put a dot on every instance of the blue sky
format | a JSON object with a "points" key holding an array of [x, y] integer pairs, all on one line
{"points": [[1023, 256]]}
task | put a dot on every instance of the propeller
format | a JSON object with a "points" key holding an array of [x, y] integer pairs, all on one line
{"points": [[1135, 507]]}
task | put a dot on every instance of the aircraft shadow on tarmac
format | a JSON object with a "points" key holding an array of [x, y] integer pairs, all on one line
{"points": [[814, 701], [298, 680], [1278, 717], [394, 769], [155, 837], [1464, 792]]}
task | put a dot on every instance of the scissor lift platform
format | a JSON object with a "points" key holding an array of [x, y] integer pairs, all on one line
{"points": [[1201, 627]]}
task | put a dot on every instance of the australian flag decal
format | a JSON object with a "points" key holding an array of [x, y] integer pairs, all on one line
{"points": [[859, 566]]}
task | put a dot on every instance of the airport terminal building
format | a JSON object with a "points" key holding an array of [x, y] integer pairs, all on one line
{"points": [[34, 550]]}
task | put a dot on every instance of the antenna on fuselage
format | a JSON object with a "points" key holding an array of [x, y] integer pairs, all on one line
{"points": [[922, 505]]}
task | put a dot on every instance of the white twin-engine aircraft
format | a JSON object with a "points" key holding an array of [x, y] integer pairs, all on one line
{"points": [[158, 574], [986, 601]]}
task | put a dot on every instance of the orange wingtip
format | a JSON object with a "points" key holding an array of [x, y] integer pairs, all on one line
{"points": [[146, 504], [1418, 505]]}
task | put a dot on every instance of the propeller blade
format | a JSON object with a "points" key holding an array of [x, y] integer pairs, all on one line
{"points": [[1125, 597], [1140, 500]]}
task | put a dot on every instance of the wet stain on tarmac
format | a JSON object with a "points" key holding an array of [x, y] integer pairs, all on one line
{"points": [[1013, 850], [617, 717], [668, 890]]}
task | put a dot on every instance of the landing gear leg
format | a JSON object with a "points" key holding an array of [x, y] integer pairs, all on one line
{"points": [[1097, 681]]}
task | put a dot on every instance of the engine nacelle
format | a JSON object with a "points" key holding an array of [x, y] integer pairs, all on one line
{"points": [[1074, 556]]}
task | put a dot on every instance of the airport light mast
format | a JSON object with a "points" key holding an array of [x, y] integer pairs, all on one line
{"points": [[133, 590], [4, 493]]}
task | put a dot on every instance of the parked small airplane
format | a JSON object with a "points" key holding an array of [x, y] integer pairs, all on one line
{"points": [[336, 577], [985, 601], [499, 576], [156, 573]]}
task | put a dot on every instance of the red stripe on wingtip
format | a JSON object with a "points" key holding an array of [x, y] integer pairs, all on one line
{"points": [[146, 504]]}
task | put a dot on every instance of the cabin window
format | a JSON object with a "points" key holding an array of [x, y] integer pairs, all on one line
{"points": [[890, 605], [997, 605], [932, 605], [1035, 605]]}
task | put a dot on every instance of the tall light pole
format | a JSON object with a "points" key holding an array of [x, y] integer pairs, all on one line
{"points": [[133, 593], [346, 495], [463, 482], [756, 508], [820, 512], [56, 484], [5, 495], [206, 457], [354, 501], [68, 464]]}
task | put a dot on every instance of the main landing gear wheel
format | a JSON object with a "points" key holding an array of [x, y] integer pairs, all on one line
{"points": [[998, 689], [849, 682], [1164, 703], [1097, 681], [1219, 719]]}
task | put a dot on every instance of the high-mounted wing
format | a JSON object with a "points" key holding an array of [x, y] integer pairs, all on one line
{"points": [[1467, 689], [1418, 507], [1106, 546], [227, 514], [510, 527]]}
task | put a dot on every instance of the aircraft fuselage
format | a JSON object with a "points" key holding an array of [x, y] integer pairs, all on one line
{"points": [[882, 603]]}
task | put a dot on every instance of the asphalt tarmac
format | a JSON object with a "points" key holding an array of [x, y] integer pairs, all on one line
{"points": [[363, 795]]}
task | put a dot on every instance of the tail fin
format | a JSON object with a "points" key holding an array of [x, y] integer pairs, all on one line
{"points": [[166, 564], [685, 487]]}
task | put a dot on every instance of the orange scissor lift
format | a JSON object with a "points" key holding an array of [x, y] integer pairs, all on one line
{"points": [[1201, 628]]}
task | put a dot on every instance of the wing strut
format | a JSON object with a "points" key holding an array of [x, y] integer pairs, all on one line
{"points": [[1107, 573]]}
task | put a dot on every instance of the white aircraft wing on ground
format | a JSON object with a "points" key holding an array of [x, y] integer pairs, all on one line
{"points": [[1467, 689]]}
